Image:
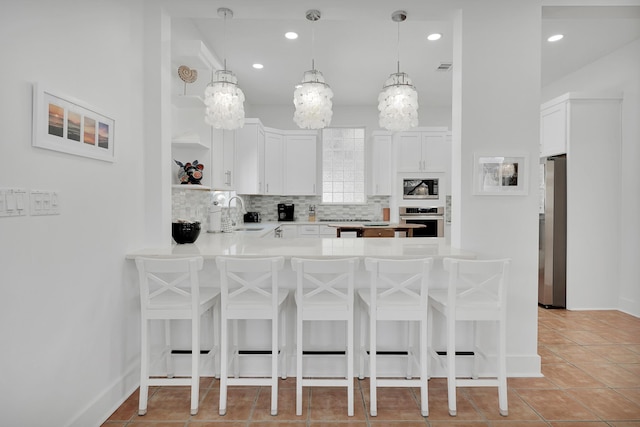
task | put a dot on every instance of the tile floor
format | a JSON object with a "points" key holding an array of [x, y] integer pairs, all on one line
{"points": [[590, 362]]}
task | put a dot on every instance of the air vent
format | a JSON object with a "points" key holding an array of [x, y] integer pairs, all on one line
{"points": [[444, 66]]}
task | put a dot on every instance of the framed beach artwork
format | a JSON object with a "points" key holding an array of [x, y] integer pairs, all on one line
{"points": [[503, 175], [62, 123]]}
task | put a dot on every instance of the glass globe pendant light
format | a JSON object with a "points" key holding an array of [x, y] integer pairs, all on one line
{"points": [[398, 101], [223, 98], [312, 98]]}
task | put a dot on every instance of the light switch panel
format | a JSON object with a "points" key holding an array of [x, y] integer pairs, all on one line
{"points": [[45, 203], [13, 202]]}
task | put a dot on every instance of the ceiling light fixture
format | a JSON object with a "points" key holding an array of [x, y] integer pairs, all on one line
{"points": [[398, 101], [433, 37], [313, 98], [555, 38], [291, 35], [258, 66], [223, 98]]}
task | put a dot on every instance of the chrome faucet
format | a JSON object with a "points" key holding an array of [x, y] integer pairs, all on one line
{"points": [[242, 210]]}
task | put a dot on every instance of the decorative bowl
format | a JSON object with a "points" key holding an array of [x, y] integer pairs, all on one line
{"points": [[185, 232]]}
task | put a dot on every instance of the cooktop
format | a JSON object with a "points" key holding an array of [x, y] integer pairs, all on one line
{"points": [[344, 220]]}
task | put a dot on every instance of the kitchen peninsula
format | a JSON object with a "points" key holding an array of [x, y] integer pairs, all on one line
{"points": [[252, 243]]}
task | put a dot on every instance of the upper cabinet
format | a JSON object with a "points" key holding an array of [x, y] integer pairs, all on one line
{"points": [[300, 166], [553, 127], [250, 158], [381, 163], [273, 162], [223, 159], [425, 150]]}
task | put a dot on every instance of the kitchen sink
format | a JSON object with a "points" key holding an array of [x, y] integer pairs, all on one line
{"points": [[249, 228]]}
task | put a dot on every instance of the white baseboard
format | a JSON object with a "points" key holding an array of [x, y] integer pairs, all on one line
{"points": [[107, 402]]}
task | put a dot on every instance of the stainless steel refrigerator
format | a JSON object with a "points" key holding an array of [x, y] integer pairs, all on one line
{"points": [[552, 275]]}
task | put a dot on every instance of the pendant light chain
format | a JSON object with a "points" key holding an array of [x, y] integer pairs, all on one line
{"points": [[398, 46], [224, 37]]}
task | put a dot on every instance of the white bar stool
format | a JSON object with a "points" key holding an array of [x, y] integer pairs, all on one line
{"points": [[324, 292], [477, 291], [170, 290], [249, 291], [398, 292]]}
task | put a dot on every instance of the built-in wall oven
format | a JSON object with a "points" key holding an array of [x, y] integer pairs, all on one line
{"points": [[431, 217]]}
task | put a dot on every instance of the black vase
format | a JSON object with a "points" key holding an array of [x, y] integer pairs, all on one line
{"points": [[185, 232]]}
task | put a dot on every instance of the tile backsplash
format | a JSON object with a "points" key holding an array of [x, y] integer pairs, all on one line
{"points": [[190, 205], [268, 207], [194, 206]]}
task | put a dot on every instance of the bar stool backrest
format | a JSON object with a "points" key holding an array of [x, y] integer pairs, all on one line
{"points": [[169, 284], [325, 280], [250, 280], [393, 280], [477, 286]]}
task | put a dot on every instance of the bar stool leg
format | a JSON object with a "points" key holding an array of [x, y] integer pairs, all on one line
{"points": [[195, 363], [451, 363], [299, 364], [350, 359], [274, 366], [502, 369], [363, 344], [167, 349], [144, 367], [424, 388], [373, 366], [223, 365]]}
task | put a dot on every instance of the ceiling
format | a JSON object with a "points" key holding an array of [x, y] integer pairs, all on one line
{"points": [[356, 48]]}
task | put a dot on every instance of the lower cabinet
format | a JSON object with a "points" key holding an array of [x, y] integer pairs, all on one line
{"points": [[307, 230]]}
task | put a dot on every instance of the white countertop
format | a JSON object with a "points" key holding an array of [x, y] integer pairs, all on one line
{"points": [[250, 243]]}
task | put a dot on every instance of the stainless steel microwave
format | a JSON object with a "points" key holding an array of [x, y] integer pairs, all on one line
{"points": [[420, 188]]}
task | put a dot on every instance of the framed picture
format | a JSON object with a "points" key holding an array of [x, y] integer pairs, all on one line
{"points": [[62, 123], [500, 175]]}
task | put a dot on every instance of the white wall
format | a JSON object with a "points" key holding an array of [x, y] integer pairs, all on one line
{"points": [[495, 111], [616, 72], [68, 354]]}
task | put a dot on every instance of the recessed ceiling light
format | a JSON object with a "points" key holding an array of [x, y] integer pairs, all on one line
{"points": [[555, 38], [434, 36], [291, 35], [258, 66]]}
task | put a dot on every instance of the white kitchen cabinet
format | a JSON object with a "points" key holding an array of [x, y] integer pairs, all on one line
{"points": [[249, 156], [326, 231], [300, 163], [381, 167], [288, 231], [423, 151], [553, 127], [308, 230], [223, 159], [273, 162]]}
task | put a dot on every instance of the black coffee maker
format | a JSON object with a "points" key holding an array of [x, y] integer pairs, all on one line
{"points": [[285, 211]]}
